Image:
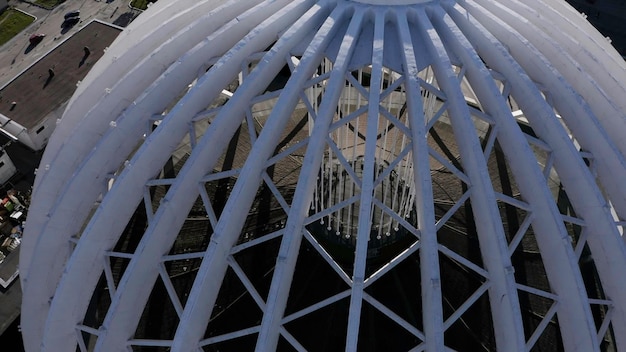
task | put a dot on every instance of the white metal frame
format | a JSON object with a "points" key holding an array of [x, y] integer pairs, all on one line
{"points": [[106, 134]]}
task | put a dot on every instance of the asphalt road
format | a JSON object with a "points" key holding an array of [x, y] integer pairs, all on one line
{"points": [[14, 56]]}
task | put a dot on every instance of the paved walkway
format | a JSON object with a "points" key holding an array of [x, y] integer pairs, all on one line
{"points": [[14, 57]]}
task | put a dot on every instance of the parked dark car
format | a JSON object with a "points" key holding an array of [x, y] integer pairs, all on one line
{"points": [[71, 14], [70, 22], [36, 38]]}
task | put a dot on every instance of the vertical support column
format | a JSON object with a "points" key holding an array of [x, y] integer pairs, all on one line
{"points": [[214, 264], [502, 292], [126, 306], [432, 315], [568, 52], [292, 237], [108, 153], [367, 190], [575, 319], [596, 123], [607, 247]]}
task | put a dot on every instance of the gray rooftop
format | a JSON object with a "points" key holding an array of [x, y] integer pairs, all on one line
{"points": [[36, 93]]}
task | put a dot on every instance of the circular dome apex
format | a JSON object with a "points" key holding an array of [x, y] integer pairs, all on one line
{"points": [[394, 2], [437, 175]]}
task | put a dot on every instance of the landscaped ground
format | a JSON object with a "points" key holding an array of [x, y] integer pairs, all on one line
{"points": [[141, 4], [11, 23], [48, 3]]}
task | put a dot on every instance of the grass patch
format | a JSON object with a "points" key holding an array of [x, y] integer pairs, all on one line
{"points": [[141, 4], [48, 3], [11, 23]]}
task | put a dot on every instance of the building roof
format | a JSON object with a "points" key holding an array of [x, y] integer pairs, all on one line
{"points": [[36, 93]]}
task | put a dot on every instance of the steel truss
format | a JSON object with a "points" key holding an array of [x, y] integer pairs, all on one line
{"points": [[343, 124]]}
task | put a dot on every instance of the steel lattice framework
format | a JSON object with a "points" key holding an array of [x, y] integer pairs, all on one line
{"points": [[367, 134]]}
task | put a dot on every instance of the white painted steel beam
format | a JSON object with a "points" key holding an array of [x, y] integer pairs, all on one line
{"points": [[369, 173], [146, 168], [504, 302], [604, 239], [292, 238], [69, 211], [584, 70], [588, 125], [177, 58], [205, 289], [184, 192], [561, 266], [432, 315], [82, 129]]}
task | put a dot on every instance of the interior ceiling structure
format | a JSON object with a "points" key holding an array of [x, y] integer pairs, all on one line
{"points": [[336, 175]]}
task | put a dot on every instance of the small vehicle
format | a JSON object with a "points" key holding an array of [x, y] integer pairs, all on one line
{"points": [[70, 22], [71, 14], [36, 38]]}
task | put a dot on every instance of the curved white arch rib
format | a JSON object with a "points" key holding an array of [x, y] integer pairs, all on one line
{"points": [[142, 35], [112, 140], [585, 45], [367, 185], [108, 154], [124, 311], [69, 210], [110, 91], [205, 289], [503, 297], [432, 302], [593, 119], [560, 264], [86, 148], [587, 200], [585, 69]]}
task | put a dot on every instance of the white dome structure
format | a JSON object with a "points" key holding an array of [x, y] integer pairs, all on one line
{"points": [[424, 175]]}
